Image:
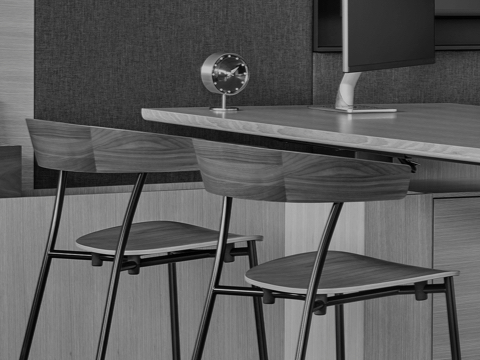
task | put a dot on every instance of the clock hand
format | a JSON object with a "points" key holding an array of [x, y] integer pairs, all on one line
{"points": [[233, 71]]}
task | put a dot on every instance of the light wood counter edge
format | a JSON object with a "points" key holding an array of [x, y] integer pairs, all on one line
{"points": [[343, 140]]}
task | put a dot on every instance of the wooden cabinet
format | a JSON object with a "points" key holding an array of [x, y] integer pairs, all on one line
{"points": [[456, 239], [398, 327], [439, 230]]}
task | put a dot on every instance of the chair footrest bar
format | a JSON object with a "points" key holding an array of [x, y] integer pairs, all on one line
{"points": [[354, 297], [242, 251], [172, 258], [238, 290], [378, 293], [72, 255]]}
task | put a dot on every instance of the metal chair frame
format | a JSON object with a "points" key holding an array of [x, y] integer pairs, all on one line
{"points": [[132, 264], [262, 174], [317, 304]]}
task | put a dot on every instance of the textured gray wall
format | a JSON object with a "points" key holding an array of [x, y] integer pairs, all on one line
{"points": [[100, 62], [454, 78]]}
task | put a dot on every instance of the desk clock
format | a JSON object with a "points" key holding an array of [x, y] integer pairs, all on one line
{"points": [[226, 74]]}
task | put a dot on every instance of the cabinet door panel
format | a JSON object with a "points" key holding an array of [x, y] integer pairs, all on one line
{"points": [[398, 327], [457, 246]]}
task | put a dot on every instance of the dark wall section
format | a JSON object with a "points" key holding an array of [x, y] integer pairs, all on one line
{"points": [[100, 62]]}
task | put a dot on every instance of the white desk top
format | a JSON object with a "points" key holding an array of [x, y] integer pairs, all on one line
{"points": [[441, 131]]}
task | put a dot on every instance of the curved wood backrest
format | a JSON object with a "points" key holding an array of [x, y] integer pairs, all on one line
{"points": [[275, 175], [81, 148]]}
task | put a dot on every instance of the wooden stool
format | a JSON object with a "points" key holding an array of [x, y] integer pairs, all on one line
{"points": [[76, 148], [322, 278]]}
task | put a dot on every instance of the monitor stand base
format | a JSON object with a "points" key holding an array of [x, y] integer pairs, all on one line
{"points": [[356, 109], [345, 94]]}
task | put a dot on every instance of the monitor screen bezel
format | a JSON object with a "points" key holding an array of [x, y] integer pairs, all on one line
{"points": [[455, 33], [371, 65]]}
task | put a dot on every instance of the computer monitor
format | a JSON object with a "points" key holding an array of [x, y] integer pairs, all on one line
{"points": [[382, 34]]}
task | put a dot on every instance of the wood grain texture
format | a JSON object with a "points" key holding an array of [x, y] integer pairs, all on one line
{"points": [[10, 171], [81, 148], [16, 78], [343, 273], [456, 244], [442, 131], [70, 320], [303, 226], [273, 175], [399, 328], [154, 237]]}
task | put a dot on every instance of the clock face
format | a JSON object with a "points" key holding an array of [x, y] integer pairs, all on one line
{"points": [[225, 73]]}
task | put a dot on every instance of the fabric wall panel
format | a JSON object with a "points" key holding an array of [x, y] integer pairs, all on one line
{"points": [[100, 62], [454, 78]]}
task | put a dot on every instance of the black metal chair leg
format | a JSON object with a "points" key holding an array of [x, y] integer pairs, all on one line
{"points": [[317, 268], [452, 319], [214, 280], [174, 323], [47, 260], [117, 267], [35, 310], [258, 307], [340, 332]]}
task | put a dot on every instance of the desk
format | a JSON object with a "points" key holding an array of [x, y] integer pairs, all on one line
{"points": [[446, 132], [439, 131]]}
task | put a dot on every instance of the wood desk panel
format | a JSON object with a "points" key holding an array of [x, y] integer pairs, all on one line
{"points": [[441, 131]]}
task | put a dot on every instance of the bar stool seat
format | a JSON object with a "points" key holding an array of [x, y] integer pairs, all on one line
{"points": [[343, 272], [156, 237]]}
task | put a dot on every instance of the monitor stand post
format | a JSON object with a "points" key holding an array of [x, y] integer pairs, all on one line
{"points": [[346, 91], [345, 98]]}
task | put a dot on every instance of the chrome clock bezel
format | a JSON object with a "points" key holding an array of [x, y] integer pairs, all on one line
{"points": [[225, 73]]}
